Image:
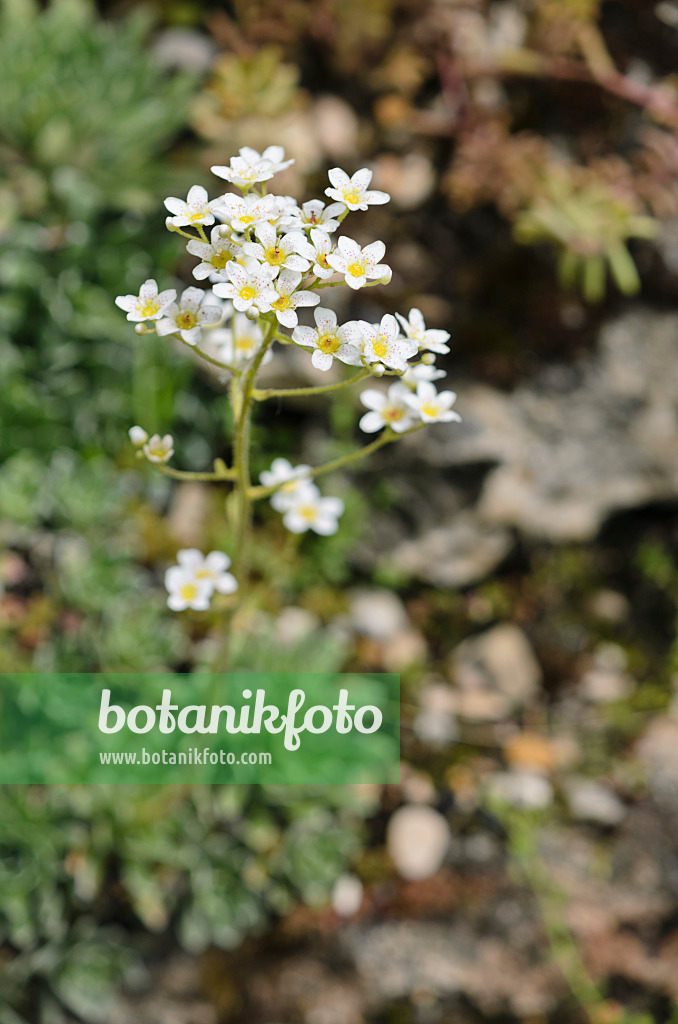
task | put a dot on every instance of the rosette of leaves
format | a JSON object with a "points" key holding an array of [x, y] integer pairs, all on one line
{"points": [[85, 115], [591, 225], [256, 83]]}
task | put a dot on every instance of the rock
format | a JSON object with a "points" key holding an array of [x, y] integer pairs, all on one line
{"points": [[531, 752], [184, 48], [404, 650], [609, 606], [187, 513], [499, 660], [378, 614], [335, 127], [590, 800], [657, 750], [601, 686], [347, 895], [409, 180], [436, 722], [524, 790], [417, 839], [457, 554], [295, 624]]}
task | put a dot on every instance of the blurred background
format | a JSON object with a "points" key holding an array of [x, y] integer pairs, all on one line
{"points": [[518, 570]]}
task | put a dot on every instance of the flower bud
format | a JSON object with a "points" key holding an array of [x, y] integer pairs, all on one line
{"points": [[252, 313], [378, 369], [428, 358], [168, 223], [224, 231], [137, 436], [140, 329]]}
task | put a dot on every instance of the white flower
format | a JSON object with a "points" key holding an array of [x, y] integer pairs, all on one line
{"points": [[317, 252], [195, 210], [251, 167], [356, 264], [239, 343], [387, 409], [250, 286], [353, 192], [185, 591], [137, 436], [188, 316], [159, 449], [148, 304], [383, 343], [214, 255], [290, 481], [244, 212], [329, 341], [314, 214], [415, 374], [288, 299], [313, 512], [210, 567], [433, 406], [277, 252], [415, 329], [284, 212]]}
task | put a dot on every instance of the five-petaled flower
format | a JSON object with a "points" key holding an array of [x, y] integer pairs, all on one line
{"points": [[214, 255], [159, 449], [359, 265], [250, 286], [187, 317], [290, 481], [289, 299], [195, 209], [314, 214], [426, 338], [313, 512], [277, 252], [433, 406], [387, 409], [316, 252], [251, 166], [245, 212], [383, 343], [149, 304], [415, 374], [329, 341], [354, 192]]}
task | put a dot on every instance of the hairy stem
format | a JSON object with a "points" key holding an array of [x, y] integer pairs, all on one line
{"points": [[261, 396]]}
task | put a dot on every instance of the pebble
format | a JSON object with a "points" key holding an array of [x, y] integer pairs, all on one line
{"points": [[347, 895], [523, 790], [592, 801], [417, 840], [378, 614]]}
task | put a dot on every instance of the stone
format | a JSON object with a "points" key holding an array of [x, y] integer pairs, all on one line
{"points": [[377, 613], [347, 895], [417, 839], [500, 660], [524, 790], [657, 751], [590, 800]]}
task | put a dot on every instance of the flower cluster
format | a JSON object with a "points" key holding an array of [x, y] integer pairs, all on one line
{"points": [[266, 259], [192, 582]]}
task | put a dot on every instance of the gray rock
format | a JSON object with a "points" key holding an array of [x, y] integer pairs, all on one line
{"points": [[417, 839], [377, 613], [501, 660], [592, 801]]}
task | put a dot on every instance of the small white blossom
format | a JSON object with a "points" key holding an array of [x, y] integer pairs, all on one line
{"points": [[149, 304], [188, 316], [137, 436], [433, 406], [288, 299], [214, 255], [415, 329], [245, 212], [211, 567], [313, 512], [238, 343], [314, 214], [415, 374], [251, 167], [384, 344], [290, 481], [316, 252], [159, 449], [353, 192], [250, 286], [194, 210], [387, 409], [358, 265], [329, 341], [277, 252], [284, 213], [184, 591]]}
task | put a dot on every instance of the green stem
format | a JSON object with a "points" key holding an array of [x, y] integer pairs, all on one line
{"points": [[203, 355], [181, 474], [256, 493], [261, 396]]}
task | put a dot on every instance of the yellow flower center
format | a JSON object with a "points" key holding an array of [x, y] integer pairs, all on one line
{"points": [[196, 216], [430, 409], [275, 255], [322, 260], [247, 292], [282, 302], [393, 414], [243, 343], [149, 308], [220, 259], [307, 512], [203, 574], [356, 269], [352, 196], [328, 343], [188, 591], [246, 219], [380, 347], [186, 319]]}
